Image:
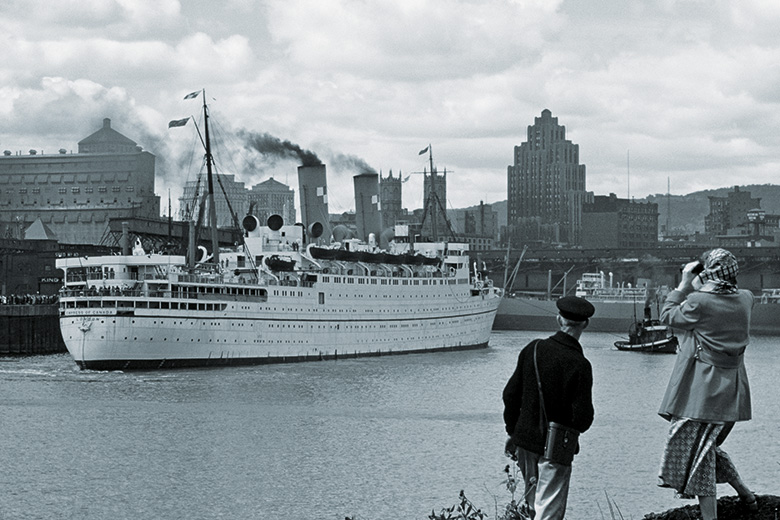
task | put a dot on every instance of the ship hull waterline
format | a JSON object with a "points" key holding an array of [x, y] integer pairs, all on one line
{"points": [[112, 342], [158, 364]]}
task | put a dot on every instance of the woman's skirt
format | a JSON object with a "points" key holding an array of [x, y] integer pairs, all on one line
{"points": [[693, 461]]}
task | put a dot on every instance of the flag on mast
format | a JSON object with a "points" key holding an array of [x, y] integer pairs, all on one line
{"points": [[424, 151], [192, 95], [178, 122]]}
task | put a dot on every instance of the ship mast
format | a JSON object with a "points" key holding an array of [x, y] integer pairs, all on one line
{"points": [[433, 197], [433, 205], [210, 177]]}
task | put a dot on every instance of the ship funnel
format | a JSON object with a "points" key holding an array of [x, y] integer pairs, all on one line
{"points": [[368, 216], [313, 189], [275, 222]]}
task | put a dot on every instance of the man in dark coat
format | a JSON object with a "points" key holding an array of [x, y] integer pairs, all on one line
{"points": [[567, 380]]}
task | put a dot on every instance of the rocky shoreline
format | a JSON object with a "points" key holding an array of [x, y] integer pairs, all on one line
{"points": [[729, 508]]}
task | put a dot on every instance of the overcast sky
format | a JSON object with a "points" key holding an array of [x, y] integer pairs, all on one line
{"points": [[686, 90]]}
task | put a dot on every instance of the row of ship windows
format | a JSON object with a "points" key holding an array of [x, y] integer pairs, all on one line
{"points": [[219, 307], [62, 202], [273, 325], [285, 326], [288, 341], [299, 294], [62, 191], [142, 304], [374, 281], [290, 326]]}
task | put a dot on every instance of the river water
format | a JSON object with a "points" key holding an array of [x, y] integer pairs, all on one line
{"points": [[375, 438]]}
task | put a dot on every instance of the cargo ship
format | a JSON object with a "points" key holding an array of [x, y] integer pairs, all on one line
{"points": [[617, 308]]}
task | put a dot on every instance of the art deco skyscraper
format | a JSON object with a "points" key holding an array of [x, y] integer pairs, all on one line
{"points": [[546, 186]]}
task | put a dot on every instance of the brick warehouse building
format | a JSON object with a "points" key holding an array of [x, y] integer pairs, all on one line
{"points": [[610, 222]]}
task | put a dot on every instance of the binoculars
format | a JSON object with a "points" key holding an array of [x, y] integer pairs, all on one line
{"points": [[699, 267]]}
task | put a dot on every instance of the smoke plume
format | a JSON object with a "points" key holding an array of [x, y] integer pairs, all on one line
{"points": [[342, 161], [274, 148]]}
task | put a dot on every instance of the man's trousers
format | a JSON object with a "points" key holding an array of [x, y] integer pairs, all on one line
{"points": [[546, 485]]}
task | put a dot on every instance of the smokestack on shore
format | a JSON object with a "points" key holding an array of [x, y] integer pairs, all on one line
{"points": [[368, 216], [313, 189]]}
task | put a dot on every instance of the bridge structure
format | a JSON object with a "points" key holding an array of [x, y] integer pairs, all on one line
{"points": [[540, 268], [163, 235]]}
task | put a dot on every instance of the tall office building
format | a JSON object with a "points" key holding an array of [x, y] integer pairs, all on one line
{"points": [[729, 212], [478, 226], [229, 194], [546, 186], [75, 195], [272, 197]]}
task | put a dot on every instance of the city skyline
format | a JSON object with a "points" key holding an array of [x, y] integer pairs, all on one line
{"points": [[663, 90]]}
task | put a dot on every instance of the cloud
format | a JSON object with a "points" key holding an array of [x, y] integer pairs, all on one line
{"points": [[82, 18], [691, 91], [411, 40], [60, 106]]}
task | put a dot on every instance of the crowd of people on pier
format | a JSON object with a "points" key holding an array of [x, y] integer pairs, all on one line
{"points": [[28, 299]]}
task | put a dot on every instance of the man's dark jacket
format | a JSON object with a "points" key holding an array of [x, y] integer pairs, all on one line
{"points": [[567, 379]]}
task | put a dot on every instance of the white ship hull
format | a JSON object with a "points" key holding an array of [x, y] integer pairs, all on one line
{"points": [[102, 339], [151, 311]]}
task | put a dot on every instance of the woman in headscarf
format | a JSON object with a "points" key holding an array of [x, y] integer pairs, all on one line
{"points": [[708, 390]]}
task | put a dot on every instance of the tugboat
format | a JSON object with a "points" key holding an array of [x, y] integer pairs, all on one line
{"points": [[649, 335]]}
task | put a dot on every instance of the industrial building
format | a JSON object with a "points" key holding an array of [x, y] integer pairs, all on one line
{"points": [[76, 194]]}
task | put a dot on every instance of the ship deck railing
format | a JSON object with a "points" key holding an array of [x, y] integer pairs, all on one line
{"points": [[131, 304], [180, 292]]}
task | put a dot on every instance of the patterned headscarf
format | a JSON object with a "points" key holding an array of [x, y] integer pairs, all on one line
{"points": [[720, 272]]}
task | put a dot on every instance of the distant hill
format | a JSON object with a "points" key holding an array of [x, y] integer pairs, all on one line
{"points": [[686, 212]]}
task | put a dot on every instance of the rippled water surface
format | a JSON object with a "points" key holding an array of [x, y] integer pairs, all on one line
{"points": [[390, 437]]}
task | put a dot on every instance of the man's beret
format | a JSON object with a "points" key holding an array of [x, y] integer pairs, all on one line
{"points": [[575, 308]]}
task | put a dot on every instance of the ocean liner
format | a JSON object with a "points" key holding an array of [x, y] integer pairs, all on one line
{"points": [[282, 295]]}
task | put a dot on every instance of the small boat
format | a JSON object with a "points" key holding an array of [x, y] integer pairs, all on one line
{"points": [[651, 336]]}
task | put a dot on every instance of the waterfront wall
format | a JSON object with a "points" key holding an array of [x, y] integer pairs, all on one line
{"points": [[27, 330]]}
